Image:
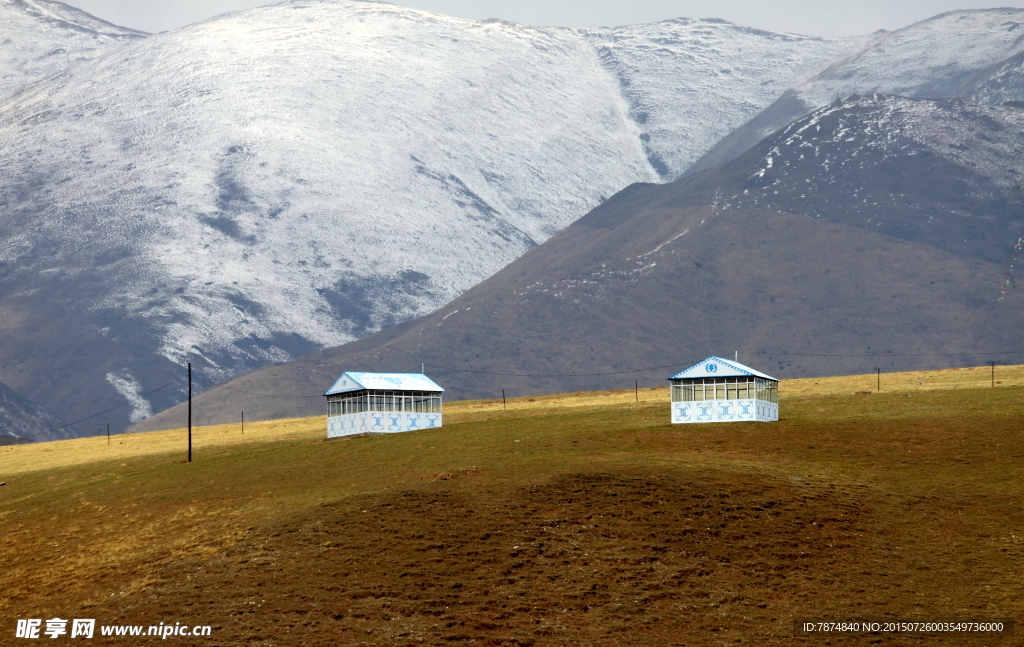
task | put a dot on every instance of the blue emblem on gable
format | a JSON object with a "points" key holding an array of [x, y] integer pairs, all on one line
{"points": [[711, 368]]}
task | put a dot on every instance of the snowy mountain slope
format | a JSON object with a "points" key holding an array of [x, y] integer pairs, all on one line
{"points": [[944, 173], [42, 37], [255, 187], [691, 82], [934, 58], [944, 56], [874, 232], [22, 420], [1003, 84]]}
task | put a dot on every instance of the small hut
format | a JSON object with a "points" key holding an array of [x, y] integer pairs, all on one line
{"points": [[721, 390], [361, 403]]}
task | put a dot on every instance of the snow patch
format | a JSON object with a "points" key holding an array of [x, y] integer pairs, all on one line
{"points": [[130, 390]]}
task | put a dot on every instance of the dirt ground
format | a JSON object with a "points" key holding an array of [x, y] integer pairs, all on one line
{"points": [[586, 559]]}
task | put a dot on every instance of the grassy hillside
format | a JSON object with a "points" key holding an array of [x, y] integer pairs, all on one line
{"points": [[581, 519]]}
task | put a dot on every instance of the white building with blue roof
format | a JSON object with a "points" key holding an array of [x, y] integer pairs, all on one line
{"points": [[721, 390], [360, 403]]}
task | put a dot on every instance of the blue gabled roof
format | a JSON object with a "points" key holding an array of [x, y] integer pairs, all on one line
{"points": [[718, 367], [358, 381]]}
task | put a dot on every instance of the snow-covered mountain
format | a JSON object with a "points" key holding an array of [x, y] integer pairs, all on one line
{"points": [[1003, 84], [42, 37], [689, 83], [934, 58], [255, 187], [953, 54]]}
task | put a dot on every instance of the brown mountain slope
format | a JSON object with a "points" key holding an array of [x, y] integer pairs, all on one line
{"points": [[879, 234], [784, 283]]}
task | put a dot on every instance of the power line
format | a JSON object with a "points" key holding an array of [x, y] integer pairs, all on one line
{"points": [[552, 375], [268, 395], [96, 415], [642, 370], [884, 355], [637, 370]]}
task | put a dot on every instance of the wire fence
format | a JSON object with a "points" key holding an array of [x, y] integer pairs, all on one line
{"points": [[624, 379]]}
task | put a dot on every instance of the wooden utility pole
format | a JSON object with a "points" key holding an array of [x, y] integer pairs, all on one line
{"points": [[993, 375], [243, 422], [190, 412], [108, 433], [636, 389], [503, 405], [878, 371]]}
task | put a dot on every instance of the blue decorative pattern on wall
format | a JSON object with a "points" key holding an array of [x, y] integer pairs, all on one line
{"points": [[724, 411], [377, 422]]}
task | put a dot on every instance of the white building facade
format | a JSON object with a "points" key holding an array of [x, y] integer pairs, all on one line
{"points": [[359, 403], [720, 390]]}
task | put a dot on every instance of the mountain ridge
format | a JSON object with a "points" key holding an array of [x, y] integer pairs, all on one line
{"points": [[40, 38], [941, 57]]}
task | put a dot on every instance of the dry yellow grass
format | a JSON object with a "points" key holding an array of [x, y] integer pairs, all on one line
{"points": [[16, 459], [979, 377], [954, 378]]}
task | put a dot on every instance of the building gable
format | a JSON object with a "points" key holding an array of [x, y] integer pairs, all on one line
{"points": [[718, 367]]}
